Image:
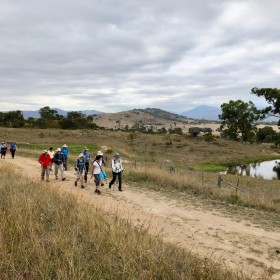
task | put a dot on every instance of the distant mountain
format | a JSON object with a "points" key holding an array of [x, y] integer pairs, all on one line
{"points": [[35, 114], [203, 112]]}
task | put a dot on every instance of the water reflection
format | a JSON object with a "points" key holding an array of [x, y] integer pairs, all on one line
{"points": [[269, 170]]}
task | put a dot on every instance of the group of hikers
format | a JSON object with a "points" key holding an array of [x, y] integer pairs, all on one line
{"points": [[5, 146], [83, 165]]}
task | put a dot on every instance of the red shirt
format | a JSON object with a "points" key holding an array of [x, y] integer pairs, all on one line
{"points": [[45, 160]]}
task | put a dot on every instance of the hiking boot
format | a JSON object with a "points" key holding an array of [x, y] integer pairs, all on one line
{"points": [[82, 186], [120, 190], [75, 184], [63, 179], [102, 184], [98, 192], [56, 178], [110, 186]]}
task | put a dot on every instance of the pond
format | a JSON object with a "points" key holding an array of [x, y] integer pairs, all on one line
{"points": [[269, 170]]}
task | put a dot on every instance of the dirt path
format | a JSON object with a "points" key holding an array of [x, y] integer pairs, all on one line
{"points": [[239, 245]]}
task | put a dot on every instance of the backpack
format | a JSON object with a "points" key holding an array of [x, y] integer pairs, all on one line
{"points": [[13, 146]]}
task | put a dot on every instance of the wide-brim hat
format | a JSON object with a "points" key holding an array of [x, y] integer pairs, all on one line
{"points": [[58, 150], [45, 151], [64, 146], [99, 153]]}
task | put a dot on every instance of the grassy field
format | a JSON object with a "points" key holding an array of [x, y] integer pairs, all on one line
{"points": [[44, 235], [180, 151], [150, 158]]}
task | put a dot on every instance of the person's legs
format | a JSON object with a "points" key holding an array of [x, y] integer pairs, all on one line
{"points": [[56, 166], [47, 173], [82, 180], [97, 183], [42, 173], [62, 171], [78, 176], [86, 171], [120, 180], [65, 164], [113, 179]]}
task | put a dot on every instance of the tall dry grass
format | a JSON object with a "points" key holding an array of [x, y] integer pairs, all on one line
{"points": [[260, 194], [46, 236]]}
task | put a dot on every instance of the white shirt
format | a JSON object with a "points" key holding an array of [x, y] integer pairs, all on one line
{"points": [[117, 165], [97, 167]]}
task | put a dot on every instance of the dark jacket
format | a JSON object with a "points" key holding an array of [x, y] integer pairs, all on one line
{"points": [[58, 158]]}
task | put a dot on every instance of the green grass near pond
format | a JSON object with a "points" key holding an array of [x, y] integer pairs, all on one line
{"points": [[211, 167]]}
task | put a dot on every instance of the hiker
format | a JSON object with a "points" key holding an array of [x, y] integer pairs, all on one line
{"points": [[45, 161], [13, 148], [3, 149], [96, 170], [87, 159], [117, 170], [58, 164], [80, 170], [51, 153], [100, 153], [65, 152]]}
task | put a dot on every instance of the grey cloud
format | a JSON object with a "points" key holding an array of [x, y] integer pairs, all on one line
{"points": [[168, 54]]}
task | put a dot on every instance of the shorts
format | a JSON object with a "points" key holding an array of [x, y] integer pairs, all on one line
{"points": [[96, 179], [80, 173]]}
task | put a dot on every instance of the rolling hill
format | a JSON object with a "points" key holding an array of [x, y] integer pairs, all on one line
{"points": [[149, 117]]}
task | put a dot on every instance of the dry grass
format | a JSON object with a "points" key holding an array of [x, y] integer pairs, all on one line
{"points": [[257, 195], [164, 150], [46, 236], [259, 204], [154, 154]]}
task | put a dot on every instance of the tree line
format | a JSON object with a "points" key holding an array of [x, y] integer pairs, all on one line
{"points": [[49, 118]]}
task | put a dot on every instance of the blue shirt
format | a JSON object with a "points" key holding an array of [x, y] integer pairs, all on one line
{"points": [[65, 152], [86, 156]]}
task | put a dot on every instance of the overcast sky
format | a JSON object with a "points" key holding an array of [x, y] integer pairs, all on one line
{"points": [[114, 55]]}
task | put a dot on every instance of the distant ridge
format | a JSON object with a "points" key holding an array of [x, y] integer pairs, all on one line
{"points": [[159, 113], [205, 112]]}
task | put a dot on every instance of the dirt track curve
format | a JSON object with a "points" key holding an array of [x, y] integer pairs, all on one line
{"points": [[238, 245]]}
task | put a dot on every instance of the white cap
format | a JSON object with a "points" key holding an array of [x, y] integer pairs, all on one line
{"points": [[58, 150], [99, 153], [45, 151], [64, 146], [81, 155]]}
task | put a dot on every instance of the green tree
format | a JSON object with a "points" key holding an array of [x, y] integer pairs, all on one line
{"points": [[239, 119], [194, 131], [48, 114], [75, 115], [266, 134], [272, 96], [14, 119]]}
